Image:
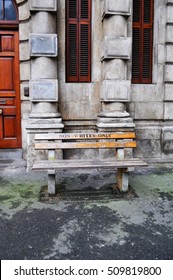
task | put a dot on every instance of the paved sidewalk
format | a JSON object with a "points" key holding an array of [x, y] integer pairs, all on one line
{"points": [[89, 224]]}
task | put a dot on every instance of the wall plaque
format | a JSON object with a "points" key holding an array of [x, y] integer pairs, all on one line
{"points": [[43, 5], [116, 91], [43, 45], [116, 47], [118, 7], [44, 90]]}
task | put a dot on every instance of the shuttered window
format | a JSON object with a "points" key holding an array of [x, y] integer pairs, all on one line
{"points": [[142, 48], [78, 40]]}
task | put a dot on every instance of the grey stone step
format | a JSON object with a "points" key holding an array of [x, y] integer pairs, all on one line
{"points": [[10, 153]]}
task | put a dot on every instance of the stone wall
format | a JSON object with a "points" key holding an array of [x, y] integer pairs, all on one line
{"points": [[167, 131], [110, 101], [151, 105], [79, 103], [24, 30]]}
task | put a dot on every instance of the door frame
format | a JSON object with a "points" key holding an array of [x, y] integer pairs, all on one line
{"points": [[12, 27]]}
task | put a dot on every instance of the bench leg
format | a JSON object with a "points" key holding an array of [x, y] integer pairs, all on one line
{"points": [[122, 179], [51, 182]]}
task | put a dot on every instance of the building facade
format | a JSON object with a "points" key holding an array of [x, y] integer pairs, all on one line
{"points": [[87, 65]]}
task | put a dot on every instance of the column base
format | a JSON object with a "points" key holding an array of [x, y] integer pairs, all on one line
{"points": [[37, 126], [114, 120], [44, 115]]}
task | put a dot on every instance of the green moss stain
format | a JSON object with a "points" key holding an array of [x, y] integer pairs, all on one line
{"points": [[16, 192], [153, 184]]}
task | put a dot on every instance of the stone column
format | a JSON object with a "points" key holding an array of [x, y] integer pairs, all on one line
{"points": [[43, 88], [116, 53]]}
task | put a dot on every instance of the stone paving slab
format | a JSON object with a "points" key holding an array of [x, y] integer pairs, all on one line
{"points": [[79, 225]]}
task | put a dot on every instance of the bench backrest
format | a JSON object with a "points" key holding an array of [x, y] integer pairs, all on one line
{"points": [[53, 141]]}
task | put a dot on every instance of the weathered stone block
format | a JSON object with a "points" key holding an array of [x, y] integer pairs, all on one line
{"points": [[44, 110], [169, 73], [167, 140], [49, 26], [169, 34], [43, 5], [120, 26], [25, 71], [43, 68], [148, 148], [168, 109], [24, 13], [150, 132], [168, 92], [148, 110], [113, 47], [115, 91], [112, 7], [148, 142], [170, 14], [169, 53], [24, 51], [43, 45], [44, 90], [114, 69], [24, 29], [161, 54], [146, 92]]}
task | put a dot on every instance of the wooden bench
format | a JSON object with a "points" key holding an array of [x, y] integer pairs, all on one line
{"points": [[119, 142]]}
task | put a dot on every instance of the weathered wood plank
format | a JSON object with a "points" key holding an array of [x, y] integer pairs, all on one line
{"points": [[80, 136], [53, 141], [84, 145], [70, 164]]}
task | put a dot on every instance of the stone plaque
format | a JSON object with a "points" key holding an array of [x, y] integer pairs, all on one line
{"points": [[43, 5], [115, 91], [116, 47], [44, 90], [43, 45], [120, 7]]}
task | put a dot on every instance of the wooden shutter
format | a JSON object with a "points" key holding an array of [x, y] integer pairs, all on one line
{"points": [[142, 41], [78, 40]]}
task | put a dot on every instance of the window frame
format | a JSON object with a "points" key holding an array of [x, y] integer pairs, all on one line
{"points": [[79, 22], [12, 24], [142, 26]]}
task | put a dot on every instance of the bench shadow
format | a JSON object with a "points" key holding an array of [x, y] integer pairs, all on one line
{"points": [[104, 194]]}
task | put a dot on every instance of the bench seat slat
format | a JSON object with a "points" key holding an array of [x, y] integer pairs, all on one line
{"points": [[70, 164], [61, 141], [84, 145], [84, 136]]}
